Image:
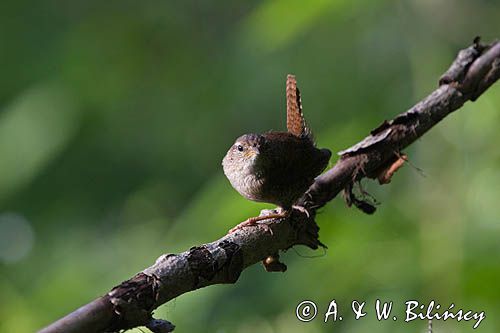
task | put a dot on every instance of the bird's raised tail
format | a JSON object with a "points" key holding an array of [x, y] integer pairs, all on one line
{"points": [[295, 121]]}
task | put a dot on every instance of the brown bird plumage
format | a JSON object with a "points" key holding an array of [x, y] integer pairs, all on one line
{"points": [[295, 122], [276, 167]]}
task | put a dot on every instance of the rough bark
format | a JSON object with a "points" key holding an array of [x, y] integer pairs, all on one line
{"points": [[131, 303]]}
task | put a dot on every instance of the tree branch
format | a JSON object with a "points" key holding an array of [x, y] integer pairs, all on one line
{"points": [[131, 303]]}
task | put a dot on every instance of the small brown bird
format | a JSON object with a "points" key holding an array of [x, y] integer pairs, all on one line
{"points": [[276, 167]]}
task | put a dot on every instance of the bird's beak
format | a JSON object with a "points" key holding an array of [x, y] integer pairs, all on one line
{"points": [[251, 152]]}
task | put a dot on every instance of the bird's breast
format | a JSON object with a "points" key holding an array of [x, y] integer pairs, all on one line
{"points": [[244, 178]]}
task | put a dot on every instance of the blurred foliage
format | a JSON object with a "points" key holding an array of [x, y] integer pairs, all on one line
{"points": [[115, 115]]}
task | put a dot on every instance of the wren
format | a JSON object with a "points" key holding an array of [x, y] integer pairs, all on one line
{"points": [[276, 167]]}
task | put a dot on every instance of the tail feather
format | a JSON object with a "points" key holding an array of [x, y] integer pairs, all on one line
{"points": [[295, 121]]}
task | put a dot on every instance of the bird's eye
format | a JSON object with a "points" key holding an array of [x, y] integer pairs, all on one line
{"points": [[239, 147]]}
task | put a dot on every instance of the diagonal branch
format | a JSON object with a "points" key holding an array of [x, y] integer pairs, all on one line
{"points": [[475, 69], [131, 303]]}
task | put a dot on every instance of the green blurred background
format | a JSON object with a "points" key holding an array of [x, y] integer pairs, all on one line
{"points": [[115, 115]]}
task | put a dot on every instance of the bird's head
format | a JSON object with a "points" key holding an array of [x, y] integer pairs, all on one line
{"points": [[244, 153]]}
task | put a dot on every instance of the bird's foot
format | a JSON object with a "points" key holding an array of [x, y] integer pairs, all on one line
{"points": [[253, 221], [302, 209]]}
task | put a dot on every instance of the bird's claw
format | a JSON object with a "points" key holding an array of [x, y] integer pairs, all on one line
{"points": [[253, 221], [250, 223], [302, 209]]}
